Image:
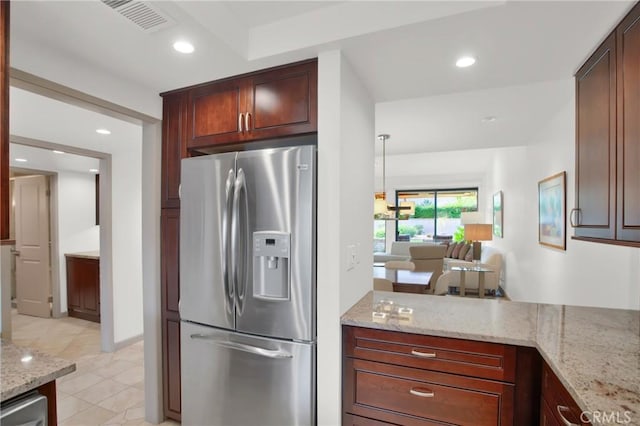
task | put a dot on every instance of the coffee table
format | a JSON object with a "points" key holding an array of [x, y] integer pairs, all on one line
{"points": [[480, 270], [403, 280]]}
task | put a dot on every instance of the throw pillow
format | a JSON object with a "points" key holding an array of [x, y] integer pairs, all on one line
{"points": [[463, 251], [450, 249], [469, 256], [456, 250]]}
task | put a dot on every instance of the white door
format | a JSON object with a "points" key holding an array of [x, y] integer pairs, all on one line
{"points": [[33, 263]]}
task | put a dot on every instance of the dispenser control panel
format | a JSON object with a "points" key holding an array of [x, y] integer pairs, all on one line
{"points": [[271, 275]]}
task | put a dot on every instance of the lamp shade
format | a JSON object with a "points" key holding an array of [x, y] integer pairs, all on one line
{"points": [[380, 206], [478, 232]]}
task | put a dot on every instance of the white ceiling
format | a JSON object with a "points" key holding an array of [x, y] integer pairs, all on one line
{"points": [[401, 51], [46, 160]]}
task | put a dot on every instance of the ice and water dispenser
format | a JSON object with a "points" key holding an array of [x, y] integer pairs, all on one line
{"points": [[271, 271]]}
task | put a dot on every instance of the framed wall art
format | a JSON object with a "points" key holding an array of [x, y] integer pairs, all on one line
{"points": [[497, 214], [552, 211]]}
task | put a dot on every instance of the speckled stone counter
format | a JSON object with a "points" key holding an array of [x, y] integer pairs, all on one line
{"points": [[22, 369], [85, 254], [595, 352]]}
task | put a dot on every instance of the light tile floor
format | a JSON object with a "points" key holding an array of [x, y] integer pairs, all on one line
{"points": [[105, 389]]}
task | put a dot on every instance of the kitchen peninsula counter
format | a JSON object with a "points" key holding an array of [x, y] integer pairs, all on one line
{"points": [[23, 369], [595, 352]]}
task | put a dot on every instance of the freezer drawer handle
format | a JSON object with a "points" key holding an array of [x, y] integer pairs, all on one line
{"points": [[245, 348]]}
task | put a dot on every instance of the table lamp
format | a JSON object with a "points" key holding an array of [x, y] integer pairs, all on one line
{"points": [[477, 232]]}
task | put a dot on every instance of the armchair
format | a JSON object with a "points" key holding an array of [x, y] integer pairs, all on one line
{"points": [[429, 258]]}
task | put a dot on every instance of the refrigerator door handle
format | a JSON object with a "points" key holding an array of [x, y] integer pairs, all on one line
{"points": [[226, 240], [268, 353], [240, 238]]}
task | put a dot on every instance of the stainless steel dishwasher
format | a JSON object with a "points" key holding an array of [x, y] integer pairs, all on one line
{"points": [[26, 410]]}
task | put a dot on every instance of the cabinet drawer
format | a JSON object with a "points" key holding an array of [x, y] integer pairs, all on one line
{"points": [[558, 399], [351, 420], [405, 395], [547, 418], [478, 359]]}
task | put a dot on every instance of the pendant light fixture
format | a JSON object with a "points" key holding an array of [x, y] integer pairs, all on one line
{"points": [[382, 210]]}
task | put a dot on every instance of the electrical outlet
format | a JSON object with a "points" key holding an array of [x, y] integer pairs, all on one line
{"points": [[352, 256]]}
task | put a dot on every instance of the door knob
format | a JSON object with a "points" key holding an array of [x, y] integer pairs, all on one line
{"points": [[15, 252]]}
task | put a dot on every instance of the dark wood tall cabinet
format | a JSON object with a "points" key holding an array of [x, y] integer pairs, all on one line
{"points": [[213, 117], [4, 120], [607, 206]]}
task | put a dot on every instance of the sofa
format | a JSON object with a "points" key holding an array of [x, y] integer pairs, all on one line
{"points": [[489, 258], [399, 251]]}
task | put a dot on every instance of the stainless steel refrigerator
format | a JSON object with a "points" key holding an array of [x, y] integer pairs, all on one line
{"points": [[248, 288]]}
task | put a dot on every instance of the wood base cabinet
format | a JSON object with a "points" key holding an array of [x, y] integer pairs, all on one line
{"points": [[83, 287], [408, 379], [557, 407]]}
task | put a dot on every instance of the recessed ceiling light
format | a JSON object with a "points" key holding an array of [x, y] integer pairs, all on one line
{"points": [[489, 119], [465, 61], [94, 170], [103, 131], [21, 160], [55, 151], [183, 46]]}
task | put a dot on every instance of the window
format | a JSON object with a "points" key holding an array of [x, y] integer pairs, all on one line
{"points": [[437, 213], [379, 236]]}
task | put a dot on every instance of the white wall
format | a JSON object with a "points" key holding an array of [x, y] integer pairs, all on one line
{"points": [[586, 273], [77, 230], [345, 154], [45, 63]]}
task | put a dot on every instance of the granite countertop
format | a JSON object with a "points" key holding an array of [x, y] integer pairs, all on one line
{"points": [[95, 254], [595, 352], [20, 373]]}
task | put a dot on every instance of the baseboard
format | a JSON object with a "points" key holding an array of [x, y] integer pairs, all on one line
{"points": [[126, 342]]}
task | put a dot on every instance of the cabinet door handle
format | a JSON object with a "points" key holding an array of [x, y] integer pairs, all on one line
{"points": [[423, 393], [577, 223], [423, 354], [240, 122], [561, 409], [247, 116]]}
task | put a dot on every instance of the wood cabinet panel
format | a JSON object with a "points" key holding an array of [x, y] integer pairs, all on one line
{"points": [[547, 418], [628, 200], [170, 259], [174, 119], [170, 295], [214, 113], [595, 143], [284, 102], [477, 359], [559, 400], [171, 367], [392, 392], [351, 420], [83, 288]]}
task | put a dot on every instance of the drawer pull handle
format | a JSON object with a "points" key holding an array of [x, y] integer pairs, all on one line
{"points": [[561, 409], [422, 393], [423, 354]]}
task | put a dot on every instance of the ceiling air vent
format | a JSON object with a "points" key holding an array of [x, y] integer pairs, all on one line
{"points": [[142, 14]]}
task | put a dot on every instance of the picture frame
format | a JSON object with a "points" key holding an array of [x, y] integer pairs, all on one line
{"points": [[552, 211], [498, 224]]}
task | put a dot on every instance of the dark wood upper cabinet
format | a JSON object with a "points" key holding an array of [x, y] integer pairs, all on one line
{"points": [[215, 113], [607, 206], [596, 143], [284, 102], [267, 104], [628, 59], [4, 120]]}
